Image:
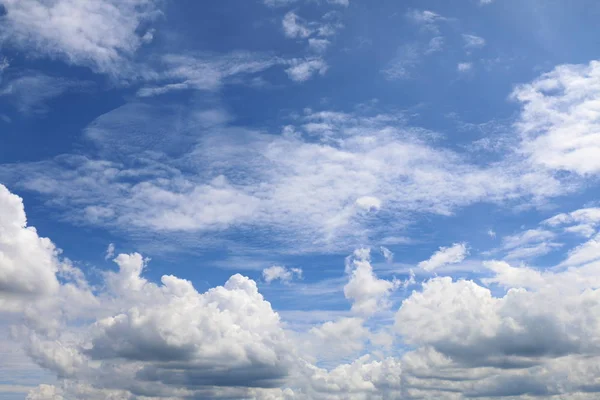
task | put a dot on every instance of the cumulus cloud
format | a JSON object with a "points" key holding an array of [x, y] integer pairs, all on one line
{"points": [[285, 275], [559, 119], [133, 338], [28, 262], [368, 293], [444, 256]]}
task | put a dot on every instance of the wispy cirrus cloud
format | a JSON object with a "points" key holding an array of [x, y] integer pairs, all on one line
{"points": [[30, 91], [102, 35], [208, 181]]}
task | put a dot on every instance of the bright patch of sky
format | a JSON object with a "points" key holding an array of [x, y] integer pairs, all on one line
{"points": [[299, 199]]}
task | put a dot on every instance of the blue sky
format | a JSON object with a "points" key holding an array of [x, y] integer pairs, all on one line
{"points": [[299, 199]]}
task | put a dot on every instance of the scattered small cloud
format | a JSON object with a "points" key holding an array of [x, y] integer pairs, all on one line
{"points": [[387, 254], [473, 41], [426, 19], [464, 67], [435, 44], [302, 70], [283, 274], [110, 251], [444, 256]]}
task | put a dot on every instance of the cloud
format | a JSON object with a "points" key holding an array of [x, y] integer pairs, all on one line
{"points": [[444, 256], [28, 262], [102, 35], [318, 45], [368, 293], [368, 155], [110, 251], [30, 91], [464, 67], [283, 274], [302, 70], [336, 339], [318, 36], [204, 71], [387, 254], [401, 66], [283, 3], [530, 243], [473, 41], [294, 26], [435, 44], [426, 19], [132, 338], [154, 333], [558, 122], [583, 222], [368, 203]]}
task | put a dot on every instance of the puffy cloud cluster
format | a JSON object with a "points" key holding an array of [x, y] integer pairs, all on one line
{"points": [[454, 339], [559, 122], [365, 290], [28, 262], [285, 275]]}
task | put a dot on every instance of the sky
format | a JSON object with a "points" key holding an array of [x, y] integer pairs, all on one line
{"points": [[299, 199]]}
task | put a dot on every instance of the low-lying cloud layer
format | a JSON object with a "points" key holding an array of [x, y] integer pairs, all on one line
{"points": [[132, 338]]}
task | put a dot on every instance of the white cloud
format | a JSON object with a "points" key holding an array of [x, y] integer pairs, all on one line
{"points": [[530, 243], [110, 251], [31, 90], [318, 45], [372, 155], [28, 262], [583, 222], [464, 67], [426, 19], [401, 66], [4, 64], [285, 275], [139, 339], [336, 339], [368, 293], [302, 70], [559, 119], [444, 256], [204, 72], [387, 254], [368, 203], [435, 44], [294, 26], [102, 35], [585, 253], [473, 41], [282, 3]]}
